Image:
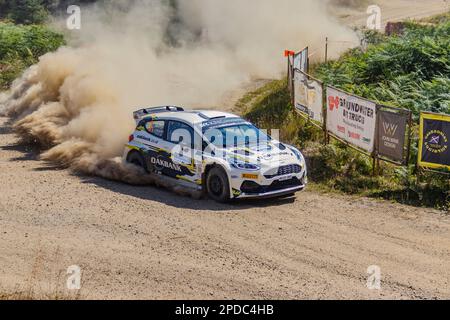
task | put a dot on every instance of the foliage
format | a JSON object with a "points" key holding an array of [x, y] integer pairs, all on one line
{"points": [[34, 11], [28, 11], [411, 70], [21, 46], [274, 101]]}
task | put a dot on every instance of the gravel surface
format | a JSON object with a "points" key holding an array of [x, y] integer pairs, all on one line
{"points": [[147, 243], [395, 10]]}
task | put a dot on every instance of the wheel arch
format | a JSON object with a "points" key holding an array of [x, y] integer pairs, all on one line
{"points": [[132, 151], [208, 168], [139, 153]]}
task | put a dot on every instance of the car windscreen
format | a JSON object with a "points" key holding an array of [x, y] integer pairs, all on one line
{"points": [[235, 136]]}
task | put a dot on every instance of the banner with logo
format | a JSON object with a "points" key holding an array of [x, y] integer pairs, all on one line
{"points": [[351, 118], [434, 143], [301, 60], [391, 133], [308, 96]]}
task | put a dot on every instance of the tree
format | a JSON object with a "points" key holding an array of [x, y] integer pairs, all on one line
{"points": [[4, 8], [28, 11]]}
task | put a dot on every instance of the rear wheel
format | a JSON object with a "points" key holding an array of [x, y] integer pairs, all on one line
{"points": [[217, 185], [137, 159]]}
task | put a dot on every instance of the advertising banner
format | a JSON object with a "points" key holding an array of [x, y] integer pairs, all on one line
{"points": [[391, 134], [351, 118], [434, 143], [301, 60], [308, 96]]}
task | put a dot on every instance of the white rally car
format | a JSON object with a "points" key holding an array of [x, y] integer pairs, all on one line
{"points": [[216, 152]]}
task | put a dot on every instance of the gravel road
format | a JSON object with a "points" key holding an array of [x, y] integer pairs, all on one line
{"points": [[395, 10], [143, 242]]}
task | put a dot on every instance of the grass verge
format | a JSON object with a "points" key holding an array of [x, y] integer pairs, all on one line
{"points": [[335, 167], [21, 46]]}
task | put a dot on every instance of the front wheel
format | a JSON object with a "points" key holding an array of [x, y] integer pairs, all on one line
{"points": [[217, 185]]}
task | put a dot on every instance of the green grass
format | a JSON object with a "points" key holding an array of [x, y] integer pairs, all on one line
{"points": [[21, 46]]}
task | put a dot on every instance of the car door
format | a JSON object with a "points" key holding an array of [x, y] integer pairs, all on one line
{"points": [[157, 150], [180, 139]]}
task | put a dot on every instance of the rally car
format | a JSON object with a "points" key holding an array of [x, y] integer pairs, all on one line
{"points": [[216, 152]]}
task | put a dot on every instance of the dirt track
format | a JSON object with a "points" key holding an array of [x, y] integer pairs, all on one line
{"points": [[143, 242], [395, 10]]}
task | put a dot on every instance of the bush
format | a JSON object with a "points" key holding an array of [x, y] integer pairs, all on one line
{"points": [[21, 46], [410, 71], [28, 11]]}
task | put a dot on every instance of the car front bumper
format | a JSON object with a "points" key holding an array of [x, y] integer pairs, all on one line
{"points": [[272, 194], [269, 188]]}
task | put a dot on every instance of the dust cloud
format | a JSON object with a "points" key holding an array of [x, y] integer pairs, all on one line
{"points": [[78, 101]]}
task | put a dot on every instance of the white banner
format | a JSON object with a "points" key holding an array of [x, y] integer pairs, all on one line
{"points": [[308, 95], [351, 118], [301, 60]]}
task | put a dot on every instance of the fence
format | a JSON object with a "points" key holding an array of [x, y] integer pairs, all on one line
{"points": [[378, 131]]}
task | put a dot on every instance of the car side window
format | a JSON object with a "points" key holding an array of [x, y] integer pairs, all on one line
{"points": [[178, 132], [155, 128]]}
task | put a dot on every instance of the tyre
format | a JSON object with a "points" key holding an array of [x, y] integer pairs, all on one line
{"points": [[217, 185], [137, 159]]}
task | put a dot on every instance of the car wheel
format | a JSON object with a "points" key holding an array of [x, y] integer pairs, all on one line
{"points": [[138, 160], [217, 185]]}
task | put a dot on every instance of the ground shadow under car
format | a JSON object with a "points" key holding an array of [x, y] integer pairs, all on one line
{"points": [[173, 199]]}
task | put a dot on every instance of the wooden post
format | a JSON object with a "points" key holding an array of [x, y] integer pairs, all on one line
{"points": [[418, 174], [408, 153], [326, 136], [326, 50], [289, 70], [375, 143], [307, 71], [374, 165]]}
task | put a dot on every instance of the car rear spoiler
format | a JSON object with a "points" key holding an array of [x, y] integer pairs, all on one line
{"points": [[138, 115]]}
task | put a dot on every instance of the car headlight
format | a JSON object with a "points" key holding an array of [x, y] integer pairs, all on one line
{"points": [[241, 165], [298, 154]]}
